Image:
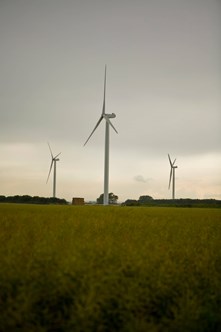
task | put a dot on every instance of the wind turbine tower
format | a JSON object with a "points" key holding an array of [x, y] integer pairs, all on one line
{"points": [[172, 176], [107, 118], [53, 161]]}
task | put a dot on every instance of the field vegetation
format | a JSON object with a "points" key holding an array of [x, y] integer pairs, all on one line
{"points": [[94, 268]]}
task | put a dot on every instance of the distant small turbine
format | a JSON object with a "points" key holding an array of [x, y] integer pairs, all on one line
{"points": [[172, 176], [53, 161], [107, 118]]}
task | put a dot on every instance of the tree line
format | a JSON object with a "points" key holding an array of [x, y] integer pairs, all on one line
{"points": [[182, 202], [144, 200], [147, 200], [26, 199]]}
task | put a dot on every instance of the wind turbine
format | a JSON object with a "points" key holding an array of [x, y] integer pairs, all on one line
{"points": [[172, 176], [107, 118], [53, 161]]}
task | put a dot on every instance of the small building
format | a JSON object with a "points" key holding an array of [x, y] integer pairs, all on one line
{"points": [[77, 201]]}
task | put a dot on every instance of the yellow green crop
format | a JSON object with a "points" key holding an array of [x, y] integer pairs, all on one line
{"points": [[99, 268]]}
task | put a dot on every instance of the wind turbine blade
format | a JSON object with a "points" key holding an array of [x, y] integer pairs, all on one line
{"points": [[103, 109], [99, 121], [50, 151], [174, 161], [170, 177], [108, 120], [50, 170], [57, 155], [170, 160]]}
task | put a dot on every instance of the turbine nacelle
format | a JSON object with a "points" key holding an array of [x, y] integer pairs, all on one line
{"points": [[110, 116]]}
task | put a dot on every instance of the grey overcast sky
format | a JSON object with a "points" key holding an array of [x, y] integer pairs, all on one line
{"points": [[163, 83]]}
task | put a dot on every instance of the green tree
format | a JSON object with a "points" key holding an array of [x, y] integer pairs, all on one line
{"points": [[112, 199], [145, 199], [131, 202]]}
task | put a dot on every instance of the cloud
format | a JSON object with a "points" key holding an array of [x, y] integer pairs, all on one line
{"points": [[140, 178]]}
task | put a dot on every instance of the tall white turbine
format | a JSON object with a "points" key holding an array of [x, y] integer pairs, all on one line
{"points": [[107, 118], [172, 176], [53, 161]]}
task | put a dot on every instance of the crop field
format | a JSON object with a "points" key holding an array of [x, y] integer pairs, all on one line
{"points": [[95, 268]]}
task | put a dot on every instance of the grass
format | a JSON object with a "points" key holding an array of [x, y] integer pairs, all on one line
{"points": [[94, 268]]}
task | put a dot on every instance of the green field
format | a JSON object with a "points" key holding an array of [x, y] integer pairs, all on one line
{"points": [[94, 268]]}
